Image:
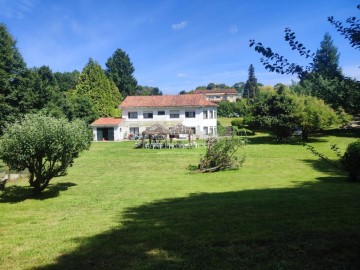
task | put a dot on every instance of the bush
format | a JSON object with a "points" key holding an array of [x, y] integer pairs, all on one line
{"points": [[237, 123], [351, 160], [221, 154]]}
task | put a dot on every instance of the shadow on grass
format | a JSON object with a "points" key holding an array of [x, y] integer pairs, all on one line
{"points": [[291, 140], [348, 133], [15, 194], [307, 227]]}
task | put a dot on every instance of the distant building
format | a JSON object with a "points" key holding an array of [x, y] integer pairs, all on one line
{"points": [[217, 95]]}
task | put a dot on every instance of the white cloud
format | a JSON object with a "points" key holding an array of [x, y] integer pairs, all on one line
{"points": [[181, 75], [234, 29], [16, 8], [179, 26]]}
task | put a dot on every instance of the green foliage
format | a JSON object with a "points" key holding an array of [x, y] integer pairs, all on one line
{"points": [[147, 91], [43, 145], [67, 80], [232, 109], [282, 112], [237, 123], [321, 77], [102, 92], [221, 154], [351, 161], [220, 129], [326, 61], [251, 86], [120, 70]]}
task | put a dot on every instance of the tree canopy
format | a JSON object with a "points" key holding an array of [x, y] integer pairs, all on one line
{"points": [[101, 91], [43, 145], [120, 70]]}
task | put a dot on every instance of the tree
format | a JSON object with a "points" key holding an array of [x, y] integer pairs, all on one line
{"points": [[11, 65], [326, 61], [221, 154], [251, 85], [120, 70], [67, 80], [78, 107], [43, 145], [282, 112], [352, 32], [102, 92], [148, 91], [347, 89]]}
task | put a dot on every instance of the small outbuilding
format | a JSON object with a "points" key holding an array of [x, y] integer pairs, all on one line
{"points": [[107, 129]]}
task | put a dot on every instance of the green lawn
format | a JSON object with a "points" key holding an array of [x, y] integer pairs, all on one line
{"points": [[125, 208], [226, 121]]}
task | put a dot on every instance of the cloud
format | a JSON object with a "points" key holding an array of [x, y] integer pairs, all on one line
{"points": [[181, 75], [16, 8], [179, 26], [234, 29]]}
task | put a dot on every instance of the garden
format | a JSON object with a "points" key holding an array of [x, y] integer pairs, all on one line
{"points": [[126, 208]]}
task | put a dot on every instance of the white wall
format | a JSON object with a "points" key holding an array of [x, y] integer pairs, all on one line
{"points": [[198, 122]]}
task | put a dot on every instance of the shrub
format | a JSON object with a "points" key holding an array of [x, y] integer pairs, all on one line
{"points": [[351, 160], [221, 154], [237, 123]]}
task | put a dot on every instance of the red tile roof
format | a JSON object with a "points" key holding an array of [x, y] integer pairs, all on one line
{"points": [[216, 91], [189, 100], [107, 121]]}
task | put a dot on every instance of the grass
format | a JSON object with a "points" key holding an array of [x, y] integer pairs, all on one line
{"points": [[124, 208], [226, 121]]}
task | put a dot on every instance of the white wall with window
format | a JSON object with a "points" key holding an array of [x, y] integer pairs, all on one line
{"points": [[196, 117]]}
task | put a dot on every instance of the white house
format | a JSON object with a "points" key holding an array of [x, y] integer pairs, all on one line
{"points": [[140, 112], [217, 94], [193, 111]]}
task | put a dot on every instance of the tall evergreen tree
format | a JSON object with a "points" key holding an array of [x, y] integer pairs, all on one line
{"points": [[101, 91], [251, 85], [11, 66], [326, 61], [120, 70]]}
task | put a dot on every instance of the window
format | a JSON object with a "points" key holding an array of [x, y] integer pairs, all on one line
{"points": [[215, 114], [161, 112], [190, 114], [134, 130], [174, 114], [133, 115], [148, 115], [211, 131], [211, 114], [205, 114], [193, 130], [206, 132]]}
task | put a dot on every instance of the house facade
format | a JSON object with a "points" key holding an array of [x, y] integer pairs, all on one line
{"points": [[194, 111], [217, 95], [140, 112]]}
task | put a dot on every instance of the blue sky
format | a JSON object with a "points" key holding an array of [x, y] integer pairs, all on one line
{"points": [[174, 45]]}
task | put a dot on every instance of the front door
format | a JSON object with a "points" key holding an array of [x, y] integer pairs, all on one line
{"points": [[105, 134]]}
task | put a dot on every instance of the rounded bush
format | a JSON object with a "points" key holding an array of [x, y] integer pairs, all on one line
{"points": [[351, 160]]}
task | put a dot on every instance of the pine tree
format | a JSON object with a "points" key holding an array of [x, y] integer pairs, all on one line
{"points": [[94, 84], [251, 85], [120, 70], [326, 61]]}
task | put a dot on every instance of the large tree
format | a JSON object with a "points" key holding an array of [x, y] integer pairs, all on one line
{"points": [[120, 70], [251, 85], [11, 66], [43, 145], [326, 62], [346, 94], [101, 91]]}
